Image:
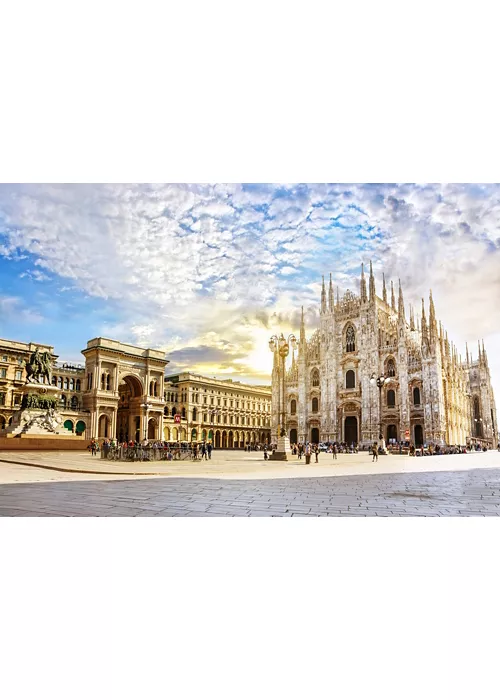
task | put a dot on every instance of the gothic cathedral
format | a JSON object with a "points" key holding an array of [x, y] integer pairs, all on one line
{"points": [[425, 393]]}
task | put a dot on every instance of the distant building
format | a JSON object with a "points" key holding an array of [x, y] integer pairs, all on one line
{"points": [[13, 357], [430, 394], [228, 413], [122, 392]]}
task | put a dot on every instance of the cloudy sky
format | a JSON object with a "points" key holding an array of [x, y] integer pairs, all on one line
{"points": [[209, 272]]}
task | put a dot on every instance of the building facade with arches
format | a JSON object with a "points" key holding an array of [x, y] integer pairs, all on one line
{"points": [[228, 413], [430, 395]]}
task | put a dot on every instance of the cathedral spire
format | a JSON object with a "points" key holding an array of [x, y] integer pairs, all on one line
{"points": [[432, 318], [412, 319], [393, 299], [363, 285], [424, 320], [323, 297], [302, 330], [338, 296], [330, 294], [467, 353], [384, 290], [401, 305], [372, 284], [479, 350], [485, 359]]}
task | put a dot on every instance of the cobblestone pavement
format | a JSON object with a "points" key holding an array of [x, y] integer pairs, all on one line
{"points": [[442, 493]]}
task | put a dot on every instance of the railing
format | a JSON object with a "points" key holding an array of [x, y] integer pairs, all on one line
{"points": [[149, 453]]}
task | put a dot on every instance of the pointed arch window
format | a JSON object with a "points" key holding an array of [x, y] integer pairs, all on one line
{"points": [[293, 407], [350, 379], [315, 377], [391, 398], [350, 339], [391, 368], [416, 396], [315, 405]]}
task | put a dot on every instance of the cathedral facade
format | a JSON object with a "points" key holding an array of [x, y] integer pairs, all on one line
{"points": [[426, 393]]}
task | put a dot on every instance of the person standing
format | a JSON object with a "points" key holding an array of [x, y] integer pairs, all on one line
{"points": [[334, 450], [375, 452], [209, 450], [316, 452]]}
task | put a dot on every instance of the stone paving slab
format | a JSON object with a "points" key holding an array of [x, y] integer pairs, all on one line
{"points": [[430, 494]]}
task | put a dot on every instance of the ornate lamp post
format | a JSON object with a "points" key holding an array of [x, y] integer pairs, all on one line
{"points": [[282, 345], [380, 381]]}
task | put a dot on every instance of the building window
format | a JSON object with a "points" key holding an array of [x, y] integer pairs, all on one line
{"points": [[3, 372], [391, 398], [183, 412], [315, 405], [350, 379], [19, 374], [194, 413], [315, 377], [293, 407], [2, 399], [391, 368], [66, 383], [174, 411], [4, 358], [78, 385], [350, 340], [74, 403], [416, 396]]}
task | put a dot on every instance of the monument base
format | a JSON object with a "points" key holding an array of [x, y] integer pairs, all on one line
{"points": [[282, 450], [38, 416]]}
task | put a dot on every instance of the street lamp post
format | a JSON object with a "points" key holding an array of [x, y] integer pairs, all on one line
{"points": [[380, 381], [282, 345], [146, 406]]}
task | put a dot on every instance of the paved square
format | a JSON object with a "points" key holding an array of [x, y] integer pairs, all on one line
{"points": [[237, 484]]}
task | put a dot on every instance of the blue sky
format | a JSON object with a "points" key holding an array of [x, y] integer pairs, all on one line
{"points": [[208, 272]]}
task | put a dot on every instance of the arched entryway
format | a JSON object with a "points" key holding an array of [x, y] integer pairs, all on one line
{"points": [[315, 435], [351, 430], [392, 432], [151, 429], [230, 440], [224, 440], [104, 426], [80, 428], [419, 435], [3, 422], [217, 438], [166, 433], [293, 436], [130, 392], [68, 424]]}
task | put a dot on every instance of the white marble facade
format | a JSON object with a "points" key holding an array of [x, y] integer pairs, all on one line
{"points": [[432, 395]]}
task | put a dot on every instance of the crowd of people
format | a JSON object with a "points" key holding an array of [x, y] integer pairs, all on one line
{"points": [[157, 449]]}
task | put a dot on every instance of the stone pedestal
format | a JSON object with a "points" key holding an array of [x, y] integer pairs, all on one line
{"points": [[282, 451], [38, 416]]}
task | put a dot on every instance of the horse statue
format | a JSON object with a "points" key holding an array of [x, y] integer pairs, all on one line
{"points": [[39, 365]]}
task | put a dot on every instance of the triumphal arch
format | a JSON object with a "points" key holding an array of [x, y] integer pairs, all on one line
{"points": [[124, 390]]}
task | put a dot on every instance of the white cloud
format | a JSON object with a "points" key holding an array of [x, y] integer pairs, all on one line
{"points": [[189, 259]]}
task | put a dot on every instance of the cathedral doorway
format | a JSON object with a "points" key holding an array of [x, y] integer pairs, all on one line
{"points": [[315, 435], [351, 430], [293, 436], [392, 433], [419, 435]]}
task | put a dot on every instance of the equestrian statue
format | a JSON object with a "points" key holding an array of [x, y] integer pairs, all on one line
{"points": [[38, 367]]}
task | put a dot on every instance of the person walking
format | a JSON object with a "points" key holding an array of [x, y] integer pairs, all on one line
{"points": [[334, 450], [93, 447], [375, 452], [316, 452], [209, 450]]}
